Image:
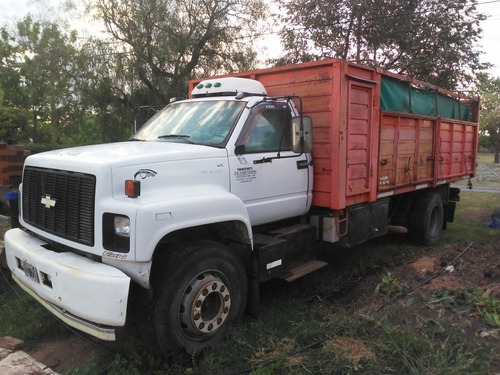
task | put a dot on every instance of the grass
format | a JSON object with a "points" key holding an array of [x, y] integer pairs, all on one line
{"points": [[20, 315], [303, 329], [422, 352], [487, 158], [487, 173], [472, 216]]}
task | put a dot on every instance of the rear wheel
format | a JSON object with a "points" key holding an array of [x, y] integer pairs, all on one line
{"points": [[198, 297], [426, 224]]}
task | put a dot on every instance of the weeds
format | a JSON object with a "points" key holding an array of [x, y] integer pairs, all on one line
{"points": [[488, 307], [418, 353], [389, 286], [469, 301]]}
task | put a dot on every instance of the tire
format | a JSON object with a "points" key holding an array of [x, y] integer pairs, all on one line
{"points": [[198, 298], [426, 222]]}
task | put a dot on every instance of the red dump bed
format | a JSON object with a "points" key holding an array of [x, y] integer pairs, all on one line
{"points": [[368, 141]]}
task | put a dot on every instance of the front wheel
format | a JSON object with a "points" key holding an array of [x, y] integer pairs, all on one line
{"points": [[198, 297]]}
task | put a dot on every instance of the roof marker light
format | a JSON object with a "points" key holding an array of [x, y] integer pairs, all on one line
{"points": [[226, 86]]}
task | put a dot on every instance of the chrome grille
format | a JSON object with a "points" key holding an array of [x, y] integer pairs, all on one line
{"points": [[60, 202]]}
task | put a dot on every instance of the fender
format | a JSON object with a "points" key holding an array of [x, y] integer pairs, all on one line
{"points": [[210, 205]]}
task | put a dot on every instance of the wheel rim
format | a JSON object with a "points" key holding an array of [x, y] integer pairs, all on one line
{"points": [[205, 305]]}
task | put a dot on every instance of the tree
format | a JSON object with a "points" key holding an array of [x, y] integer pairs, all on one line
{"points": [[47, 72], [57, 90], [434, 41], [490, 111], [164, 43], [12, 120], [107, 93], [13, 116]]}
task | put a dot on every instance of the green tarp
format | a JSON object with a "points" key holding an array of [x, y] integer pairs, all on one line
{"points": [[400, 96]]}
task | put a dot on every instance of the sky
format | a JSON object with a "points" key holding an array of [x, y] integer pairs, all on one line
{"points": [[13, 10], [491, 34]]}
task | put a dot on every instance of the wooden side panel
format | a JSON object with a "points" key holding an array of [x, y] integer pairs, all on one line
{"points": [[389, 129], [323, 142], [359, 120], [425, 160], [457, 149], [359, 130], [418, 150], [318, 84], [444, 150], [470, 148], [406, 151]]}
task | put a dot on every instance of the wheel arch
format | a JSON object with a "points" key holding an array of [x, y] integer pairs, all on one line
{"points": [[233, 234], [160, 223], [402, 206]]}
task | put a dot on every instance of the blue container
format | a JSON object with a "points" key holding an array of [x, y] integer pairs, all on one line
{"points": [[13, 197]]}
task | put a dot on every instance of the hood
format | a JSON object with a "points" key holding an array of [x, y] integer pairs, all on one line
{"points": [[166, 172], [123, 154]]}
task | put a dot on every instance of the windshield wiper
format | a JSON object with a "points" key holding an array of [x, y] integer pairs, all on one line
{"points": [[174, 136], [181, 136]]}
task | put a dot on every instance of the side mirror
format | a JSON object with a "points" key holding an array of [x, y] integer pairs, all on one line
{"points": [[302, 134]]}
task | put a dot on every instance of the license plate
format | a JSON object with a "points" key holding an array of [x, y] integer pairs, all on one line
{"points": [[30, 271]]}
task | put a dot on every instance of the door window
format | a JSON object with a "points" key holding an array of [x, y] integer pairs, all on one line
{"points": [[268, 130]]}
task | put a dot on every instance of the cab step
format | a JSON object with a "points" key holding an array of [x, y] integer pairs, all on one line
{"points": [[287, 253], [303, 269]]}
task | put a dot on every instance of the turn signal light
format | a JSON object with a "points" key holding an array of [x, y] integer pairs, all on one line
{"points": [[132, 188]]}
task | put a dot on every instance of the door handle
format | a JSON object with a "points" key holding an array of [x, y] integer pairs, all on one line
{"points": [[302, 164], [263, 160]]}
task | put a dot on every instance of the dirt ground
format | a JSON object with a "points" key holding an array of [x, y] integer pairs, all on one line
{"points": [[64, 354], [437, 290], [453, 267], [460, 266]]}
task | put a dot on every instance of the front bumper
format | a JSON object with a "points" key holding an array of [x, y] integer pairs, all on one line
{"points": [[85, 294]]}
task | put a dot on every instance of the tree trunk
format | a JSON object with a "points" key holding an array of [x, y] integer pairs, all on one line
{"points": [[495, 141]]}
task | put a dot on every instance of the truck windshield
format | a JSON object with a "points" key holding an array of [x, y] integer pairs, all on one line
{"points": [[200, 122]]}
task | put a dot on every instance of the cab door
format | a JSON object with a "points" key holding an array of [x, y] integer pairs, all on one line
{"points": [[272, 180]]}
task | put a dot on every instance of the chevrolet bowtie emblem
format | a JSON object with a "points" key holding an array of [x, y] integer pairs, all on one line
{"points": [[48, 201]]}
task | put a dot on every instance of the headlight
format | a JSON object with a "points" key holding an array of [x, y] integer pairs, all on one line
{"points": [[116, 232], [122, 226]]}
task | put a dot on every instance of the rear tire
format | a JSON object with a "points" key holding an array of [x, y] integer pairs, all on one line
{"points": [[198, 297], [426, 222]]}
